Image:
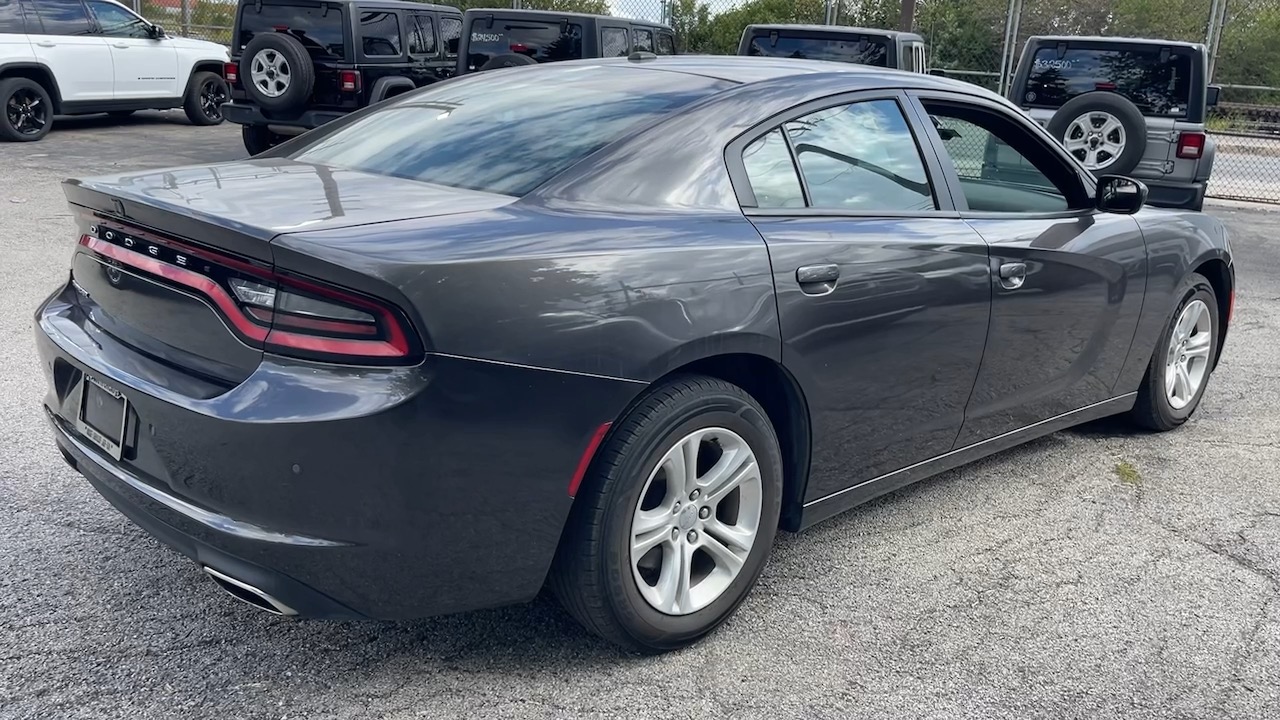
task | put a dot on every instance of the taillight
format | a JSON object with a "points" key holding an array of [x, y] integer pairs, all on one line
{"points": [[349, 80], [231, 72], [274, 311], [1190, 145]]}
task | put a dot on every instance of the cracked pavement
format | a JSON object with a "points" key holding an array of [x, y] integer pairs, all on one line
{"points": [[1039, 583]]}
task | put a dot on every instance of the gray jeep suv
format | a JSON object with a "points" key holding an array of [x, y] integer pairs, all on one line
{"points": [[1125, 106]]}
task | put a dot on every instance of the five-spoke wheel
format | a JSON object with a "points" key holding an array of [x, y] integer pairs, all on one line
{"points": [[675, 519]]}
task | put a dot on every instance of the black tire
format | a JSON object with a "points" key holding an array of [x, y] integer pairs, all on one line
{"points": [[507, 60], [592, 574], [1130, 117], [206, 92], [33, 117], [258, 139], [301, 71], [1153, 410]]}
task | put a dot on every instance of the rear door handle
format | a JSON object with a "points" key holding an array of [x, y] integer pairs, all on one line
{"points": [[122, 46], [1013, 275], [818, 279], [45, 43]]}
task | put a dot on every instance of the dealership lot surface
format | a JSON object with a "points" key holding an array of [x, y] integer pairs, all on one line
{"points": [[1091, 574]]}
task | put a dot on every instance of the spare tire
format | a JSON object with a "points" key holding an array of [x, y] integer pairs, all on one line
{"points": [[1104, 131], [277, 71], [507, 60]]}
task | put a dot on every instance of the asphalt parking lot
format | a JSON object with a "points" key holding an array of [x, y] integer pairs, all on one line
{"points": [[1091, 574]]}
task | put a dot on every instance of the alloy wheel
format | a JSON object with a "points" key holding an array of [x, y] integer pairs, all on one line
{"points": [[212, 95], [1096, 139], [1187, 358], [270, 73], [27, 112], [696, 521]]}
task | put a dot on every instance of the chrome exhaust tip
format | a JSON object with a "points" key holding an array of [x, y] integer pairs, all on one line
{"points": [[247, 593]]}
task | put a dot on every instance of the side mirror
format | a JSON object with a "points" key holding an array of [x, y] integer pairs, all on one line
{"points": [[1211, 99], [157, 32], [1120, 195]]}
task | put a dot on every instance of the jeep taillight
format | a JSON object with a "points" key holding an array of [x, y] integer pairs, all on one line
{"points": [[1191, 145], [349, 81], [231, 72]]}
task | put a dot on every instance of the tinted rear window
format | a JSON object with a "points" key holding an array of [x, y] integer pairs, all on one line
{"points": [[1157, 87], [318, 29], [867, 51], [541, 41], [502, 132]]}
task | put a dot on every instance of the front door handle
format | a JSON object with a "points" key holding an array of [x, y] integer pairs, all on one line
{"points": [[818, 279], [1012, 275]]}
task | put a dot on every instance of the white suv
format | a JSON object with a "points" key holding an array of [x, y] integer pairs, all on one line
{"points": [[75, 57]]}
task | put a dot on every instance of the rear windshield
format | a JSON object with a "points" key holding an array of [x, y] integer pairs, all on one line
{"points": [[319, 29], [542, 41], [861, 51], [1157, 80], [503, 132]]}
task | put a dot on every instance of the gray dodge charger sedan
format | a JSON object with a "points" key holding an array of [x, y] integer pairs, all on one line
{"points": [[603, 325]]}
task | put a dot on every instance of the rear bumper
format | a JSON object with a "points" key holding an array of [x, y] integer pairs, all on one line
{"points": [[386, 493], [253, 115], [1189, 196]]}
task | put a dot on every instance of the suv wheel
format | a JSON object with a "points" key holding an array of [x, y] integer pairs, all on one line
{"points": [[28, 110], [1103, 130], [258, 139], [205, 94], [277, 71]]}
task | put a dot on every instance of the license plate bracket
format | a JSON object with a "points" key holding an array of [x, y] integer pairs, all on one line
{"points": [[103, 413]]}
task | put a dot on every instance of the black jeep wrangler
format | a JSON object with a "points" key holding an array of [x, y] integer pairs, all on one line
{"points": [[297, 64], [498, 38], [837, 43]]}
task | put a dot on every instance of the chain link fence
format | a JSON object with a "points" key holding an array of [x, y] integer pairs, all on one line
{"points": [[974, 40]]}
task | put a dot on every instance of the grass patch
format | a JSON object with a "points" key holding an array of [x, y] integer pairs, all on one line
{"points": [[1128, 474]]}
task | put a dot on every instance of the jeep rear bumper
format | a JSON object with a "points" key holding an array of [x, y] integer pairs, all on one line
{"points": [[253, 115], [1188, 196]]}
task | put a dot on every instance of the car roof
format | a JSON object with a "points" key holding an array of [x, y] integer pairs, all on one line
{"points": [[745, 69], [392, 4], [1112, 40], [522, 12], [895, 34]]}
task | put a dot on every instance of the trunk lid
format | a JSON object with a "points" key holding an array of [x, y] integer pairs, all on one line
{"points": [[160, 252]]}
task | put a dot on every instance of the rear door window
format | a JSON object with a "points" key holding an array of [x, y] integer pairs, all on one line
{"points": [[542, 41], [319, 29], [422, 38], [1156, 79], [666, 44], [861, 51], [450, 33], [614, 42], [380, 33], [62, 17], [860, 157], [11, 18], [644, 39]]}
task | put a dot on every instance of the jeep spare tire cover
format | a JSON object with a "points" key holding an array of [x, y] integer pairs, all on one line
{"points": [[1104, 131], [276, 71], [507, 60]]}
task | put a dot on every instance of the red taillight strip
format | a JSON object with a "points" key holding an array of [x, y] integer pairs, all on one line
{"points": [[587, 455], [396, 346], [186, 278]]}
